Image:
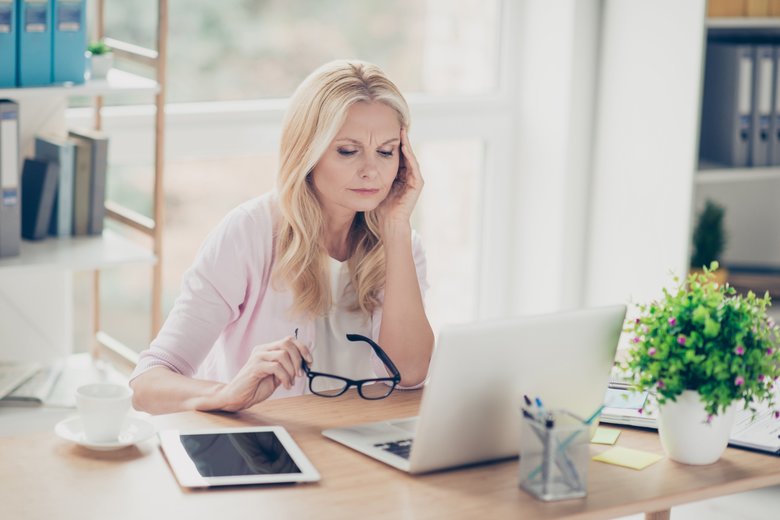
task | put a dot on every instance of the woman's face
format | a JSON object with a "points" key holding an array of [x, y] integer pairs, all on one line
{"points": [[357, 170]]}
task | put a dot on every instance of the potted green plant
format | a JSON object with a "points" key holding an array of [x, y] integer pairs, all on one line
{"points": [[703, 350], [709, 239], [101, 59]]}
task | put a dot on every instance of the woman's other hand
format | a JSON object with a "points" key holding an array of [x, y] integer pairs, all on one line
{"points": [[268, 367]]}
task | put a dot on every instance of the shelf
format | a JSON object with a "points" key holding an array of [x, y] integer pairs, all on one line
{"points": [[78, 253], [744, 23], [718, 174], [117, 81]]}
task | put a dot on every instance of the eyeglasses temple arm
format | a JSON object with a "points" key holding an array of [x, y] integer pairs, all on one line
{"points": [[379, 352]]}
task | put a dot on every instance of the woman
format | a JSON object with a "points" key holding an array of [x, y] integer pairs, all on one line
{"points": [[286, 275]]}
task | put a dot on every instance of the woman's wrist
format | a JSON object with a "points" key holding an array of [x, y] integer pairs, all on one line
{"points": [[210, 399], [394, 230]]}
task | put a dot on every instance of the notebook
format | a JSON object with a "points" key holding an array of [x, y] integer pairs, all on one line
{"points": [[470, 409]]}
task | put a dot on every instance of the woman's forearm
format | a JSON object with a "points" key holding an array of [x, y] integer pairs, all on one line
{"points": [[160, 390], [405, 333]]}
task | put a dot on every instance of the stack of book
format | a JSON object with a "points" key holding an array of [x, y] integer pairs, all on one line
{"points": [[64, 186], [42, 42]]}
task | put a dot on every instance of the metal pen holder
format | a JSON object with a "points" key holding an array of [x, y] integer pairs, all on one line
{"points": [[554, 456]]}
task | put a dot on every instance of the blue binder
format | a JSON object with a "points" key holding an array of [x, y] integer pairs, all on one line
{"points": [[69, 40], [33, 58], [7, 43]]}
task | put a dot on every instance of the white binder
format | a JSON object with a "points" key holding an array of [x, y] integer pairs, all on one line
{"points": [[763, 75], [10, 218], [774, 139], [727, 109]]}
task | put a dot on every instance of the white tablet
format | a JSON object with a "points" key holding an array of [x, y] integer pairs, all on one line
{"points": [[235, 456]]}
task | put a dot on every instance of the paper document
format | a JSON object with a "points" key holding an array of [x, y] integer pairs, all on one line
{"points": [[759, 433]]}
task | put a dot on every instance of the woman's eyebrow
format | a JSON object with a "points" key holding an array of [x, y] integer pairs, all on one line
{"points": [[355, 141]]}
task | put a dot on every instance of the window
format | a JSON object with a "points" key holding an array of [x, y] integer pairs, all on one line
{"points": [[222, 149], [252, 49]]}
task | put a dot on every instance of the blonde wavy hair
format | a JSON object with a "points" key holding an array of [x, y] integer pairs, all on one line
{"points": [[317, 111]]}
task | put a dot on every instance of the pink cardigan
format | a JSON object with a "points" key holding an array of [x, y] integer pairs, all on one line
{"points": [[228, 305]]}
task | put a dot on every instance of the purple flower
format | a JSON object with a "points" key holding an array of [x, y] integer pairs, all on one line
{"points": [[651, 351], [661, 383], [672, 321], [636, 339], [739, 350], [739, 380], [761, 377], [770, 351], [777, 414], [681, 339], [642, 410], [636, 321], [709, 419]]}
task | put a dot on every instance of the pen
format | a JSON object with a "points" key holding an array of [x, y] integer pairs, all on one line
{"points": [[565, 444]]}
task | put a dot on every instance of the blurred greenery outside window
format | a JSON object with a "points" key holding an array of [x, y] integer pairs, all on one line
{"points": [[248, 50]]}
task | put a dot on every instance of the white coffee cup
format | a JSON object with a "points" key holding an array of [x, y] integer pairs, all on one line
{"points": [[103, 408]]}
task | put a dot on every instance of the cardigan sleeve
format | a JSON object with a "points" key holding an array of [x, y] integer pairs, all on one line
{"points": [[212, 294]]}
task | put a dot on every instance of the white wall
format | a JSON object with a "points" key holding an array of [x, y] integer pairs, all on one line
{"points": [[645, 154], [555, 81]]}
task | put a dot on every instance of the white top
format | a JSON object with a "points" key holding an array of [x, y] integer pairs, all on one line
{"points": [[335, 354]]}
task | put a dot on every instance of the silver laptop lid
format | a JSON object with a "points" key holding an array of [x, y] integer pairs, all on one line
{"points": [[470, 411]]}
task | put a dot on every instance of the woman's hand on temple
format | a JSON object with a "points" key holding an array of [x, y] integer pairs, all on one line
{"points": [[407, 186], [268, 367]]}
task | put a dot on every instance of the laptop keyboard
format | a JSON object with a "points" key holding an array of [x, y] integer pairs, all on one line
{"points": [[401, 448]]}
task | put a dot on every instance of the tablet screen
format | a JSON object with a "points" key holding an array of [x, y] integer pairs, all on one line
{"points": [[240, 453]]}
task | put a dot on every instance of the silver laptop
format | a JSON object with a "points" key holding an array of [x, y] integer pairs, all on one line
{"points": [[470, 409]]}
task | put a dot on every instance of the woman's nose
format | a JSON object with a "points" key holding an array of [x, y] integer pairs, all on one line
{"points": [[368, 168]]}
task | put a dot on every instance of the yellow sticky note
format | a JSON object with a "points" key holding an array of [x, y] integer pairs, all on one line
{"points": [[605, 436], [627, 457]]}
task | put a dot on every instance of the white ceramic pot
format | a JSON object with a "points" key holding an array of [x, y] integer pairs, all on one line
{"points": [[685, 434], [100, 64]]}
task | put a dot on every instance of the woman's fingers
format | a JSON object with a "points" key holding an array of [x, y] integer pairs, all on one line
{"points": [[412, 167]]}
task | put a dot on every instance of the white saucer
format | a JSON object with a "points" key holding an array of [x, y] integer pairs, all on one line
{"points": [[134, 431]]}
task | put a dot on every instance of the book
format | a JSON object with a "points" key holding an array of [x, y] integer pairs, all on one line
{"points": [[82, 166], [39, 184], [94, 145], [62, 152]]}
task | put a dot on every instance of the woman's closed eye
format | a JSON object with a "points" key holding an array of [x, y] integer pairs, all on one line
{"points": [[385, 153], [347, 152]]}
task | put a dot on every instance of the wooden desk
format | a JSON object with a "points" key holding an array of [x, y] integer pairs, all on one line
{"points": [[45, 477]]}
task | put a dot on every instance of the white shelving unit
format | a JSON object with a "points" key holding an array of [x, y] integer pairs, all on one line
{"points": [[711, 173], [116, 81], [748, 194], [77, 254], [37, 287]]}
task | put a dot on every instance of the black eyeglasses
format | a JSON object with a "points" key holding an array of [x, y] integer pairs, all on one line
{"points": [[328, 385]]}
